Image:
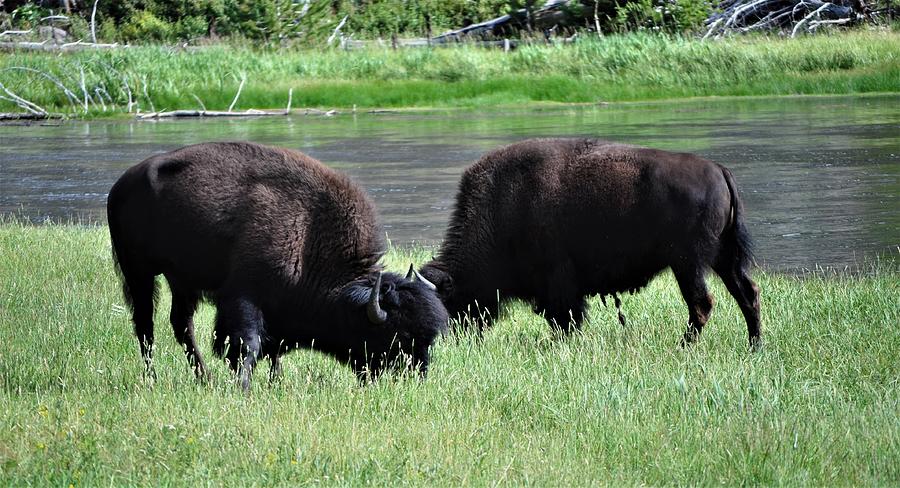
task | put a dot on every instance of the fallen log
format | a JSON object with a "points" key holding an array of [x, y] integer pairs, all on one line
{"points": [[52, 47], [29, 116], [224, 113]]}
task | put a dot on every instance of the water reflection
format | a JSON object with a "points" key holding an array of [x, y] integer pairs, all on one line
{"points": [[820, 176]]}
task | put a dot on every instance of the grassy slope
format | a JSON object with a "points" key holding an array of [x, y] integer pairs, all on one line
{"points": [[629, 67], [819, 406]]}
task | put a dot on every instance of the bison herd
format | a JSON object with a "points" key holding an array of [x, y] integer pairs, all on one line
{"points": [[289, 249]]}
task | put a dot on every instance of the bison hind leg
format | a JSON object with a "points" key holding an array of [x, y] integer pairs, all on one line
{"points": [[140, 294], [618, 303], [692, 282], [746, 293]]}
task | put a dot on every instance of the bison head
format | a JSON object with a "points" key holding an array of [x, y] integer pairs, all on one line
{"points": [[440, 278], [394, 322], [461, 295]]}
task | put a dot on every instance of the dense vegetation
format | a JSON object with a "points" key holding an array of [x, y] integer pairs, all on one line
{"points": [[820, 405], [628, 67], [312, 21]]}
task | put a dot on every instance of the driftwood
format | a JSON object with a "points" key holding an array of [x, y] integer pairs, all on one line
{"points": [[218, 113], [29, 116], [794, 16], [53, 47], [230, 112]]}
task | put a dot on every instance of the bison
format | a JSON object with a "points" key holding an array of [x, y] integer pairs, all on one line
{"points": [[552, 221], [285, 247]]}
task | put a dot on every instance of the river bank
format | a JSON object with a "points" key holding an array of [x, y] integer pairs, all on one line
{"points": [[631, 67]]}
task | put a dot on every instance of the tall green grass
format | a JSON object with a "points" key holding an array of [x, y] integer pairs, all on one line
{"points": [[819, 406], [621, 67]]}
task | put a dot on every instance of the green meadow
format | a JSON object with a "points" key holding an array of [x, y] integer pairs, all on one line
{"points": [[820, 405], [626, 67]]}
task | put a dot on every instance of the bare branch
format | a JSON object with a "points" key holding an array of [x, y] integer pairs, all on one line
{"points": [[337, 30], [741, 10], [15, 32], [98, 91], [94, 23], [21, 102], [238, 94], [84, 90], [808, 17], [73, 99], [712, 28], [128, 92], [816, 23], [202, 106], [147, 96]]}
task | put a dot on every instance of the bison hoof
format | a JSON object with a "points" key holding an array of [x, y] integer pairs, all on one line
{"points": [[149, 377], [756, 344], [204, 377], [689, 339]]}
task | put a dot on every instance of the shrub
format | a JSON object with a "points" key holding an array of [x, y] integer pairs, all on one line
{"points": [[144, 25]]}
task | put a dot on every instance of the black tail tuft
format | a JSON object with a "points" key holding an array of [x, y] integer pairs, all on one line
{"points": [[117, 264]]}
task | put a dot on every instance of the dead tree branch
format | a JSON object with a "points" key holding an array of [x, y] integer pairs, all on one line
{"points": [[238, 94], [788, 16], [21, 102]]}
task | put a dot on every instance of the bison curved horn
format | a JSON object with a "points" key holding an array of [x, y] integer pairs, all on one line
{"points": [[413, 275], [376, 315]]}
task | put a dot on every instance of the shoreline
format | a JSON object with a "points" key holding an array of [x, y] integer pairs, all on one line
{"points": [[534, 105]]}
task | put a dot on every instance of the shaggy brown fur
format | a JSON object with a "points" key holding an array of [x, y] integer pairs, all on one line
{"points": [[287, 248], [554, 220]]}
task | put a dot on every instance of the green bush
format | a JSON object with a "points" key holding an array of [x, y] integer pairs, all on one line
{"points": [[689, 15], [145, 26], [638, 14], [382, 18], [668, 15]]}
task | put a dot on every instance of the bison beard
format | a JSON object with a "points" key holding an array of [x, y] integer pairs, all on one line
{"points": [[555, 220], [287, 249]]}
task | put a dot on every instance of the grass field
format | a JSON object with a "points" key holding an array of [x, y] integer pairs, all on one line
{"points": [[819, 406], [615, 68]]}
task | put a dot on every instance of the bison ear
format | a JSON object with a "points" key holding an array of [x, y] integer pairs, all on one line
{"points": [[376, 315], [413, 275]]}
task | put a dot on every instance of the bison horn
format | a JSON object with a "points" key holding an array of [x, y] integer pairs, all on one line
{"points": [[413, 275], [376, 315]]}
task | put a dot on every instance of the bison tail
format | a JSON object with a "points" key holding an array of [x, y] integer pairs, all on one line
{"points": [[736, 237], [133, 282]]}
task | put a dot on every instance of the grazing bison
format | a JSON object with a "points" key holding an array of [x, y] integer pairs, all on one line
{"points": [[287, 249], [554, 220]]}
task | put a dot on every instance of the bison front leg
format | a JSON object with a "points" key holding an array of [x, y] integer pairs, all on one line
{"points": [[275, 371], [184, 304], [563, 305], [692, 283], [239, 325]]}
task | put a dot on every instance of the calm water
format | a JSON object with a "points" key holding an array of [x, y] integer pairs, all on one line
{"points": [[820, 176]]}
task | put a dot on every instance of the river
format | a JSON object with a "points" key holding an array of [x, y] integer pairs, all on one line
{"points": [[820, 176]]}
